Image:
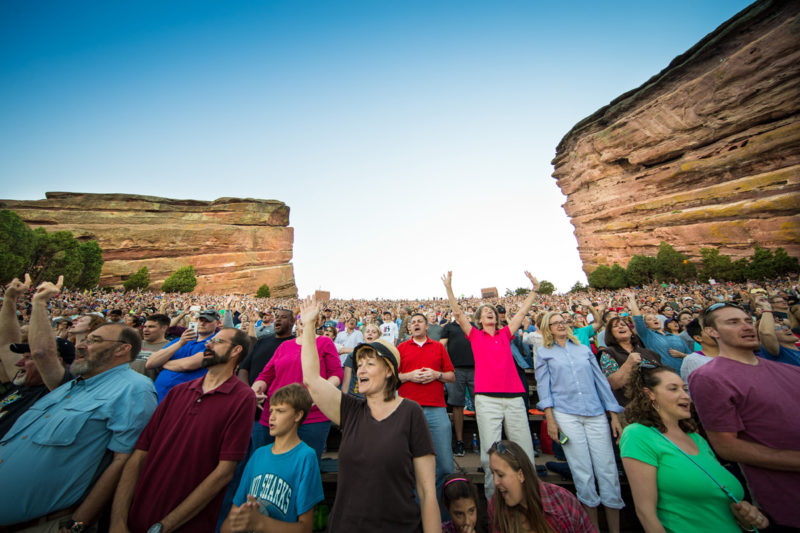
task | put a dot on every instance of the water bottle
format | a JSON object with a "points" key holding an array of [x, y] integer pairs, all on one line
{"points": [[475, 448], [537, 446]]}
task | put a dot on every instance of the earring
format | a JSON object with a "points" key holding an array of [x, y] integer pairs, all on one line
{"points": [[655, 405]]}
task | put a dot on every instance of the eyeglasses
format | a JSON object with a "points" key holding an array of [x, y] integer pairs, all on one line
{"points": [[559, 323], [215, 340], [94, 340], [501, 448]]}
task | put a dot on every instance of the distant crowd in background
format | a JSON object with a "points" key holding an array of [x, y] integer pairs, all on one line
{"points": [[148, 411]]}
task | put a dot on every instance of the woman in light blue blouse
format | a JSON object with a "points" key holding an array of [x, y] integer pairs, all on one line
{"points": [[671, 348], [575, 397]]}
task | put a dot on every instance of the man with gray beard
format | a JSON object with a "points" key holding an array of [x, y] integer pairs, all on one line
{"points": [[63, 457]]}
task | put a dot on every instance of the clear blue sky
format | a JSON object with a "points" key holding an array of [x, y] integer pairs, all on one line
{"points": [[404, 135]]}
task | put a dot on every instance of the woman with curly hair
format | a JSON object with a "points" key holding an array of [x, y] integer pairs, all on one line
{"points": [[676, 481], [522, 503]]}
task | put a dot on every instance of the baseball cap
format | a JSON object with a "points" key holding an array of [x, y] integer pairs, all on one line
{"points": [[209, 314]]}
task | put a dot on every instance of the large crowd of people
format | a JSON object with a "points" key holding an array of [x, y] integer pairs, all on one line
{"points": [[143, 411]]}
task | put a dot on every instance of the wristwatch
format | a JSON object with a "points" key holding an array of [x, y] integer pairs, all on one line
{"points": [[155, 528], [440, 376]]}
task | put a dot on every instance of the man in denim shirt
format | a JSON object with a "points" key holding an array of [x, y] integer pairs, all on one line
{"points": [[60, 462]]}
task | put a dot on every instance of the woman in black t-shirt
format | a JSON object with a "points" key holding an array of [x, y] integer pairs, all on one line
{"points": [[386, 450]]}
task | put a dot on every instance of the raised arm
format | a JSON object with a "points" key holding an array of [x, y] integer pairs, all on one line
{"points": [[327, 397], [766, 327], [632, 303], [516, 320], [42, 338], [9, 325], [598, 316], [458, 313]]}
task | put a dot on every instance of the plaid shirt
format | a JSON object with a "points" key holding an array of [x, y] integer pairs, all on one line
{"points": [[562, 510]]}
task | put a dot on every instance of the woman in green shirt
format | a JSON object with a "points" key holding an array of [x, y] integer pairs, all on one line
{"points": [[670, 467]]}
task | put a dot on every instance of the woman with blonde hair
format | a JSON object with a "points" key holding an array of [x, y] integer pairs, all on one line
{"points": [[575, 397]]}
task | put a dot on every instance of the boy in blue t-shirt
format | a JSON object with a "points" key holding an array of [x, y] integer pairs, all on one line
{"points": [[281, 481]]}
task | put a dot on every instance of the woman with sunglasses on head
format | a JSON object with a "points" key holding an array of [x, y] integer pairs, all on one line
{"points": [[499, 391], [522, 503], [622, 355], [676, 481], [386, 451], [575, 397]]}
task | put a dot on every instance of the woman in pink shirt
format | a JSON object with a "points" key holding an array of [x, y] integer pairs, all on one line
{"points": [[284, 368], [498, 388]]}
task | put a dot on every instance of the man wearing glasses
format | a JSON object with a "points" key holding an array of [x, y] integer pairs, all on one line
{"points": [[749, 408], [62, 459], [182, 359], [188, 452]]}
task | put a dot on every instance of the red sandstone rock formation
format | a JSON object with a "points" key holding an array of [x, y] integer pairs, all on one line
{"points": [[706, 153], [235, 245]]}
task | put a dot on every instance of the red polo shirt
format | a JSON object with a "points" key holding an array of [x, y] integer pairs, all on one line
{"points": [[189, 433], [431, 354]]}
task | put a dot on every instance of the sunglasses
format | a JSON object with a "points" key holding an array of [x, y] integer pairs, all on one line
{"points": [[713, 307], [647, 364], [502, 449]]}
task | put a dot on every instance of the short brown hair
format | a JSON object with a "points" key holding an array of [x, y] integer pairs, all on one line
{"points": [[294, 395]]}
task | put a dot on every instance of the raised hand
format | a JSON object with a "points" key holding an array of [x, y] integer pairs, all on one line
{"points": [[533, 279], [447, 279], [309, 310], [47, 290], [17, 288]]}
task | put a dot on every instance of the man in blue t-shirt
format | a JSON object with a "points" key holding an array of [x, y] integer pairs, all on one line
{"points": [[281, 482], [182, 359]]}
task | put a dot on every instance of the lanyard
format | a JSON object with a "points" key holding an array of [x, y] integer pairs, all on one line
{"points": [[728, 493]]}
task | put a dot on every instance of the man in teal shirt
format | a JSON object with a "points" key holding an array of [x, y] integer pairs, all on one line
{"points": [[61, 461]]}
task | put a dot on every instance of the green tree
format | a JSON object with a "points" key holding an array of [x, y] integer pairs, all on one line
{"points": [[739, 270], [617, 277], [55, 254], [641, 270], [546, 287], [578, 287], [139, 280], [521, 291], [600, 278], [671, 265], [785, 264], [182, 280], [16, 246], [762, 264], [263, 291], [92, 258]]}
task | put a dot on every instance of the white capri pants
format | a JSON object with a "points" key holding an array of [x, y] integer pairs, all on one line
{"points": [[590, 453]]}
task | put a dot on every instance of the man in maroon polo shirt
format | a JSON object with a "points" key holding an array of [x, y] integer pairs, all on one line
{"points": [[186, 456], [424, 369]]}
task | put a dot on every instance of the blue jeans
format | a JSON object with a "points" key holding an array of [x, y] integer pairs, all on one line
{"points": [[439, 426], [315, 435]]}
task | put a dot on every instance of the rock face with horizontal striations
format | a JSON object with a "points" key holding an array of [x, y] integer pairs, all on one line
{"points": [[234, 244], [704, 154]]}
